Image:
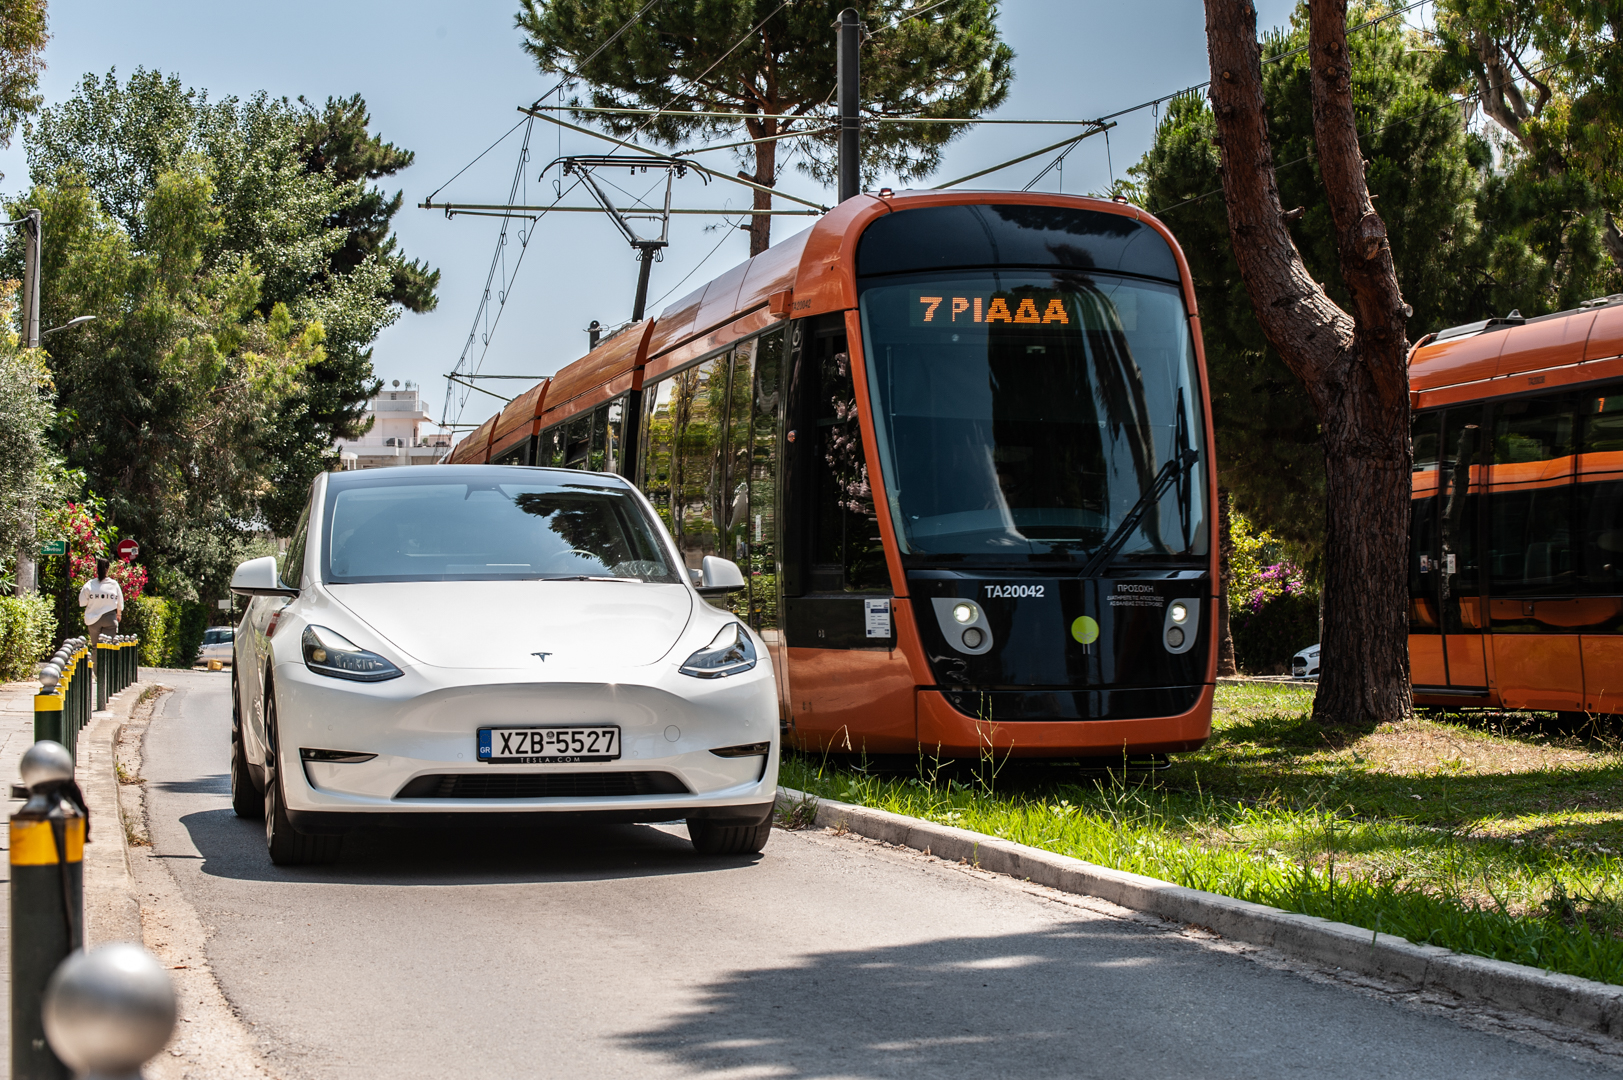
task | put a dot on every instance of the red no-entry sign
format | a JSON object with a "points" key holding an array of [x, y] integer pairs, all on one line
{"points": [[128, 550]]}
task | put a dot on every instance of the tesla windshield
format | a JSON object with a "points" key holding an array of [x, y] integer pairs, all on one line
{"points": [[1034, 414], [488, 527]]}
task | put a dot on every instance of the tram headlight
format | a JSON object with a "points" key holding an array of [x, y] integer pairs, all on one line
{"points": [[973, 638], [1180, 612], [1175, 635], [964, 612]]}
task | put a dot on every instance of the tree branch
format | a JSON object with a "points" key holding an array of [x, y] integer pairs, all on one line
{"points": [[1292, 309], [1365, 254]]}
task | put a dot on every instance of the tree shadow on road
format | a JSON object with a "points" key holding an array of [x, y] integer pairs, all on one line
{"points": [[1099, 998]]}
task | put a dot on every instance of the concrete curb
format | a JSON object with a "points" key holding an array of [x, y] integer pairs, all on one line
{"points": [[1565, 999], [112, 912]]}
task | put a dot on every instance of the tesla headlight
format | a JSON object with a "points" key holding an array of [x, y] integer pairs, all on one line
{"points": [[730, 653], [328, 653]]}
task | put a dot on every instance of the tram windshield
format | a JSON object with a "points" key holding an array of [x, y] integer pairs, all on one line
{"points": [[1028, 414]]}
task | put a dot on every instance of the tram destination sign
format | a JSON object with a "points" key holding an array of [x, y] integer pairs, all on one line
{"points": [[1033, 308]]}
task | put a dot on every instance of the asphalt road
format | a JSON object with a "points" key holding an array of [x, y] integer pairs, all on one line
{"points": [[617, 952]]}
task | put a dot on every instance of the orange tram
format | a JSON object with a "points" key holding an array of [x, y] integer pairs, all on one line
{"points": [[1516, 560], [959, 444]]}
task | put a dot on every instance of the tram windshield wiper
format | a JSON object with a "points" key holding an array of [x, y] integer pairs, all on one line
{"points": [[1170, 473]]}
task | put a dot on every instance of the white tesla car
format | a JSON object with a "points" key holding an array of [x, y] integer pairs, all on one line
{"points": [[442, 643]]}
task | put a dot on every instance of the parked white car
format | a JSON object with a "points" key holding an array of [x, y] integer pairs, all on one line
{"points": [[1305, 664], [217, 644], [443, 643]]}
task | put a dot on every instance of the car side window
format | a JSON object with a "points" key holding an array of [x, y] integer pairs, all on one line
{"points": [[291, 567]]}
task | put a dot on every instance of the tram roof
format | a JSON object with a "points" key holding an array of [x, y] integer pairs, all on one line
{"points": [[1512, 354], [809, 273]]}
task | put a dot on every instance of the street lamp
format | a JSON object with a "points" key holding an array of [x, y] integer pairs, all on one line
{"points": [[70, 324]]}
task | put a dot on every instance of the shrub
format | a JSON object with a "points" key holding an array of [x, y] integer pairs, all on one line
{"points": [[1265, 637], [148, 617], [27, 634]]}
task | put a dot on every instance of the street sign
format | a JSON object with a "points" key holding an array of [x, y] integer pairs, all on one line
{"points": [[128, 550], [53, 547]]}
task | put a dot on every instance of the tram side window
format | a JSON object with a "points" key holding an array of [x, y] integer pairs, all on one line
{"points": [[518, 454], [1530, 504], [682, 462], [846, 553], [761, 463], [1458, 490], [1598, 513], [1423, 525]]}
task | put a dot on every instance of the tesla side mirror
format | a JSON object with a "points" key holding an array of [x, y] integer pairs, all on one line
{"points": [[719, 577], [258, 577]]}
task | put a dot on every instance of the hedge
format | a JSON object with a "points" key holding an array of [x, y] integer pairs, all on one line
{"points": [[171, 631], [27, 635]]}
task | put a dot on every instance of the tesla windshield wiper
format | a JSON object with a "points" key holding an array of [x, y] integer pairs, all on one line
{"points": [[583, 577], [1170, 473]]}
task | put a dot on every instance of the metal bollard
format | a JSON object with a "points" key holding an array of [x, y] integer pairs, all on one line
{"points": [[103, 670], [48, 704], [108, 1011], [47, 899]]}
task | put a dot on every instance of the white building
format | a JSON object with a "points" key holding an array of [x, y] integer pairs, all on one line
{"points": [[396, 436]]}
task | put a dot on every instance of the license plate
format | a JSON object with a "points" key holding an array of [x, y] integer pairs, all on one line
{"points": [[532, 746]]}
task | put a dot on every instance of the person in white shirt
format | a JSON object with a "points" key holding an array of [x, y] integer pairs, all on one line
{"points": [[103, 602]]}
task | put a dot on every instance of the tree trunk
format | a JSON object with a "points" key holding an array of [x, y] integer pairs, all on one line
{"points": [[1354, 366], [1225, 562], [766, 174]]}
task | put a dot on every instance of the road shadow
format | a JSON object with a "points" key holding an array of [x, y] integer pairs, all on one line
{"points": [[1095, 999], [219, 784], [233, 847]]}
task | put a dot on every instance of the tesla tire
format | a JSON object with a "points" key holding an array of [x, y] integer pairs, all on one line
{"points": [[287, 846], [712, 839], [246, 799]]}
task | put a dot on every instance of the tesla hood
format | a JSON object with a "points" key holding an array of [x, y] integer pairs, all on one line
{"points": [[504, 624]]}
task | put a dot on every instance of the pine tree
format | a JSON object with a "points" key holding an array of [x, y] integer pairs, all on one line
{"points": [[680, 55]]}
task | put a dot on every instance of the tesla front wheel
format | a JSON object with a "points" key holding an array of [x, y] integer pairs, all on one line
{"points": [[711, 839], [287, 846]]}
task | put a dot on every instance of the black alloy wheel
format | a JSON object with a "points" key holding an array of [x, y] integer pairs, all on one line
{"points": [[287, 846], [712, 839], [246, 799]]}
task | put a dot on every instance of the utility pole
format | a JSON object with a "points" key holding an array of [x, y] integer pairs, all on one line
{"points": [[27, 576], [847, 83]]}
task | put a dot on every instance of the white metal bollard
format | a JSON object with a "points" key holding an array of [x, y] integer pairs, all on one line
{"points": [[108, 1011]]}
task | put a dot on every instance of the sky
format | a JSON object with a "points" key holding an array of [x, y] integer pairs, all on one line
{"points": [[445, 80]]}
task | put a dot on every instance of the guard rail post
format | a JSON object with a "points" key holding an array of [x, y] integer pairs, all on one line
{"points": [[47, 900], [109, 1011]]}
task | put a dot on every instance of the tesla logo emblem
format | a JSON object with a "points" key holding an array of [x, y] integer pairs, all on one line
{"points": [[542, 655]]}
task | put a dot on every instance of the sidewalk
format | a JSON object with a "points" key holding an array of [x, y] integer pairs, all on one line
{"points": [[110, 913]]}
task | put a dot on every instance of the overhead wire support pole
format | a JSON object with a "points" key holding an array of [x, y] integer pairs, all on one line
{"points": [[848, 94]]}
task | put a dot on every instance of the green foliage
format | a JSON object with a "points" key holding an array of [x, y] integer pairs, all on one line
{"points": [[26, 466], [171, 631], [23, 35], [149, 619], [27, 635], [1272, 610], [951, 63], [1443, 206], [239, 264], [1549, 76]]}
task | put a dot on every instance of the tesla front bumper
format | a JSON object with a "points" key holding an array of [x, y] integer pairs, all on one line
{"points": [[422, 732]]}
